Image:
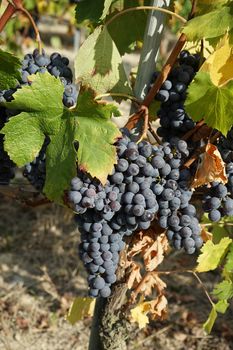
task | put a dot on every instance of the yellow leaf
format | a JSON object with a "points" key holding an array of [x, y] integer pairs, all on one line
{"points": [[219, 64], [157, 309], [196, 46], [139, 314], [80, 308], [212, 254]]}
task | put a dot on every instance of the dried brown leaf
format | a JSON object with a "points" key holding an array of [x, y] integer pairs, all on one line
{"points": [[124, 261], [150, 282], [205, 235], [212, 168], [135, 275], [158, 308], [142, 240], [154, 255]]}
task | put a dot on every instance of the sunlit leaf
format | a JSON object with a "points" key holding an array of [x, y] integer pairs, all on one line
{"points": [[212, 255], [81, 307]]}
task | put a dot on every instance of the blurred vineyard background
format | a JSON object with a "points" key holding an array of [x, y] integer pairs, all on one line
{"points": [[40, 271]]}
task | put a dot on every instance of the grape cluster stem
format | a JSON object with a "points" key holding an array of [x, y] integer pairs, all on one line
{"points": [[154, 133], [193, 131]]}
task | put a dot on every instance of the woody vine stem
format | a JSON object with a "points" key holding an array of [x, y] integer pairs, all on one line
{"points": [[13, 7]]}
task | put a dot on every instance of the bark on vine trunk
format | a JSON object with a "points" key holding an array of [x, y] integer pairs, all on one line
{"points": [[110, 328]]}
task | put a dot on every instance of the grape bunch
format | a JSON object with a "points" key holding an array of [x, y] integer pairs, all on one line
{"points": [[99, 250], [174, 121], [57, 66], [183, 229], [218, 202], [108, 213], [225, 147], [175, 213], [144, 183], [35, 171]]}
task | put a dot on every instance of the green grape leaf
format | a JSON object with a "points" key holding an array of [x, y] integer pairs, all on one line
{"points": [[208, 325], [9, 70], [61, 159], [30, 4], [229, 260], [99, 133], [122, 33], [219, 232], [216, 102], [98, 64], [25, 134], [206, 6], [218, 229], [220, 307], [212, 255], [210, 25], [86, 11], [126, 30], [89, 124], [224, 290], [129, 28]]}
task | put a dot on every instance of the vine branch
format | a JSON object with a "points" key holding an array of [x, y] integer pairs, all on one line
{"points": [[145, 112], [154, 133], [169, 64], [193, 9], [35, 28], [193, 131], [115, 94], [203, 287], [17, 6], [140, 8], [7, 14], [165, 71]]}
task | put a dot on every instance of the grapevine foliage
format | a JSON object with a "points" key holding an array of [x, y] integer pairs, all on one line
{"points": [[118, 184], [9, 70], [208, 26], [37, 121]]}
